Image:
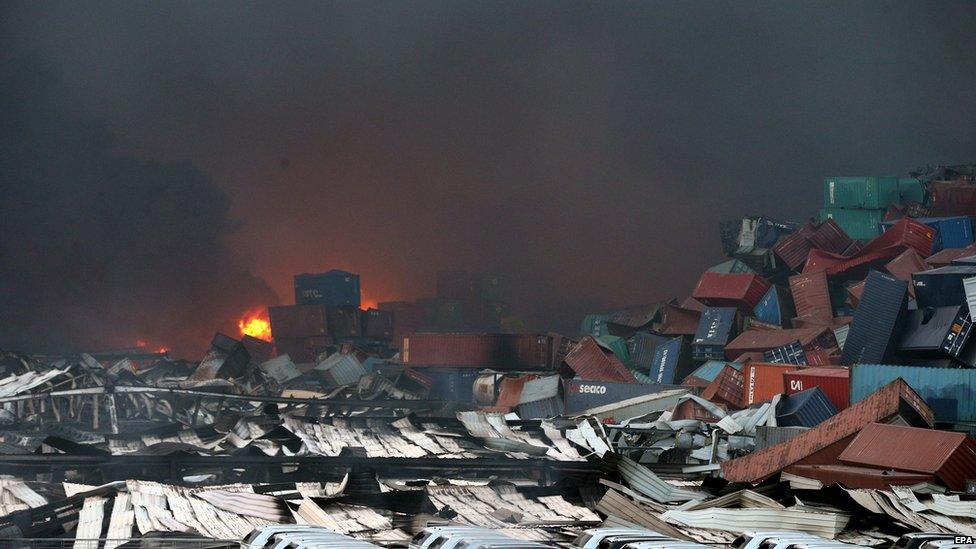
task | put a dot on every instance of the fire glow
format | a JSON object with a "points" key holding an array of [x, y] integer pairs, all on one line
{"points": [[255, 324]]}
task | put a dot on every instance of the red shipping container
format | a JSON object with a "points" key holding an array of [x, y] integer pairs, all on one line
{"points": [[297, 321], [731, 290], [817, 337], [950, 198], [302, 350], [907, 233], [678, 321], [829, 237], [834, 382], [726, 388], [945, 257], [811, 295], [951, 457], [906, 264], [794, 248], [499, 351], [763, 381], [588, 360]]}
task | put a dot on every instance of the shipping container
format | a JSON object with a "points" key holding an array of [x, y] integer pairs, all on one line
{"points": [[950, 256], [860, 192], [950, 392], [730, 290], [905, 265], [641, 347], [497, 351], [580, 394], [911, 190], [951, 198], [377, 323], [932, 332], [258, 350], [905, 233], [333, 289], [302, 350], [450, 384], [340, 369], [345, 322], [830, 237], [859, 224], [942, 287], [589, 360], [408, 317], [296, 321], [834, 382], [759, 260], [950, 457], [281, 369], [892, 401], [878, 320], [787, 354], [807, 408], [811, 295], [950, 232], [672, 361], [767, 436], [444, 314], [762, 381], [775, 307], [793, 249], [859, 477], [595, 325], [727, 388], [716, 327], [731, 266], [711, 368], [677, 320], [617, 346], [758, 341]]}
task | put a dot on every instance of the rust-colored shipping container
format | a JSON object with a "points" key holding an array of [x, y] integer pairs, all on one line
{"points": [[297, 321], [834, 382], [904, 265], [906, 233], [950, 198], [951, 457], [740, 290], [829, 237], [689, 409], [498, 351], [811, 295], [677, 321], [794, 248], [408, 317], [726, 388], [894, 399], [588, 360], [763, 381], [817, 337], [302, 349], [377, 323], [854, 292], [945, 257], [858, 477]]}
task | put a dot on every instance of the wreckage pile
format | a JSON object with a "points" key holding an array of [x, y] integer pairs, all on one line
{"points": [[820, 379]]}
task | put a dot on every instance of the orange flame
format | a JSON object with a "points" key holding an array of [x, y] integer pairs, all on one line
{"points": [[256, 324]]}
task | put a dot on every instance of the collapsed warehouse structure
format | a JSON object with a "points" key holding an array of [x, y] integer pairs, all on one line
{"points": [[791, 389]]}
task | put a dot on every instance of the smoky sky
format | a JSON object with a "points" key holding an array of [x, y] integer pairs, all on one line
{"points": [[191, 157]]}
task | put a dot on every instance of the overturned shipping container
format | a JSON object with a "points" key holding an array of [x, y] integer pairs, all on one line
{"points": [[498, 351]]}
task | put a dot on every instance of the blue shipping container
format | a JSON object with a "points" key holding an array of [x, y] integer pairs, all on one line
{"points": [[715, 329], [804, 409], [451, 384], [642, 347], [769, 308], [950, 232], [333, 289], [665, 363], [950, 392], [879, 315]]}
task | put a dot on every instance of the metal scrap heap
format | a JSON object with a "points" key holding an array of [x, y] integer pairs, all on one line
{"points": [[821, 379]]}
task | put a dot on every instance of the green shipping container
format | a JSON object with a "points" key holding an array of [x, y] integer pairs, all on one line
{"points": [[870, 193], [859, 224], [594, 325], [731, 266], [619, 347], [911, 190]]}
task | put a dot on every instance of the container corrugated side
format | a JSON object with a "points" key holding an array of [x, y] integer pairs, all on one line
{"points": [[581, 394], [811, 295], [807, 408], [877, 319], [950, 392], [763, 381], [834, 382], [297, 321], [500, 351], [733, 290]]}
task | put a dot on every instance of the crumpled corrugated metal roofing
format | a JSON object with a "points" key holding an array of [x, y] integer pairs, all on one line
{"points": [[18, 384], [823, 524], [644, 481], [880, 406]]}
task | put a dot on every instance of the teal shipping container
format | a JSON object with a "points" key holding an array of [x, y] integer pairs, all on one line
{"points": [[858, 224], [868, 193], [950, 392], [594, 325], [911, 190], [618, 346], [731, 266]]}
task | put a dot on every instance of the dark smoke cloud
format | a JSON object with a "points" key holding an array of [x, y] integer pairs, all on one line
{"points": [[588, 149], [100, 249]]}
